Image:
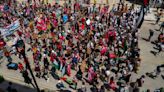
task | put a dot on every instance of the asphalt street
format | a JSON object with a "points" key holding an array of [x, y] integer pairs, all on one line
{"points": [[148, 63]]}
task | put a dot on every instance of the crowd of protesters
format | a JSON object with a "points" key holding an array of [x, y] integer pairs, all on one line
{"points": [[98, 44]]}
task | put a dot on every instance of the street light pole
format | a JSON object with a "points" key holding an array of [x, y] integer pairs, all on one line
{"points": [[22, 52]]}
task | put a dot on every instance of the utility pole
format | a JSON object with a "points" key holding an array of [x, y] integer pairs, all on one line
{"points": [[21, 50]]}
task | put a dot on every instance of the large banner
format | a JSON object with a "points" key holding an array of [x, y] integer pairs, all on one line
{"points": [[10, 29], [141, 17]]}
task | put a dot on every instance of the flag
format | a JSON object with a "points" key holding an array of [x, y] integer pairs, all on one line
{"points": [[61, 66], [56, 65], [63, 71], [141, 17]]}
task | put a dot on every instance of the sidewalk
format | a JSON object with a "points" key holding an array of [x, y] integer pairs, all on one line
{"points": [[19, 87], [147, 65], [150, 16]]}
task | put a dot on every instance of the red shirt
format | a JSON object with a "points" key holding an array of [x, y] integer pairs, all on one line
{"points": [[20, 67], [82, 26], [2, 43], [52, 57], [59, 46], [112, 85], [19, 33], [145, 2], [53, 14], [82, 20]]}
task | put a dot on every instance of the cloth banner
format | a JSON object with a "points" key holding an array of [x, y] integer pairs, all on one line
{"points": [[10, 29], [141, 17]]}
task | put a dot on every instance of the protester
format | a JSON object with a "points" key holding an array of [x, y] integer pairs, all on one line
{"points": [[161, 27], [151, 33], [9, 88], [159, 14], [8, 56], [26, 77], [20, 67], [91, 41]]}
